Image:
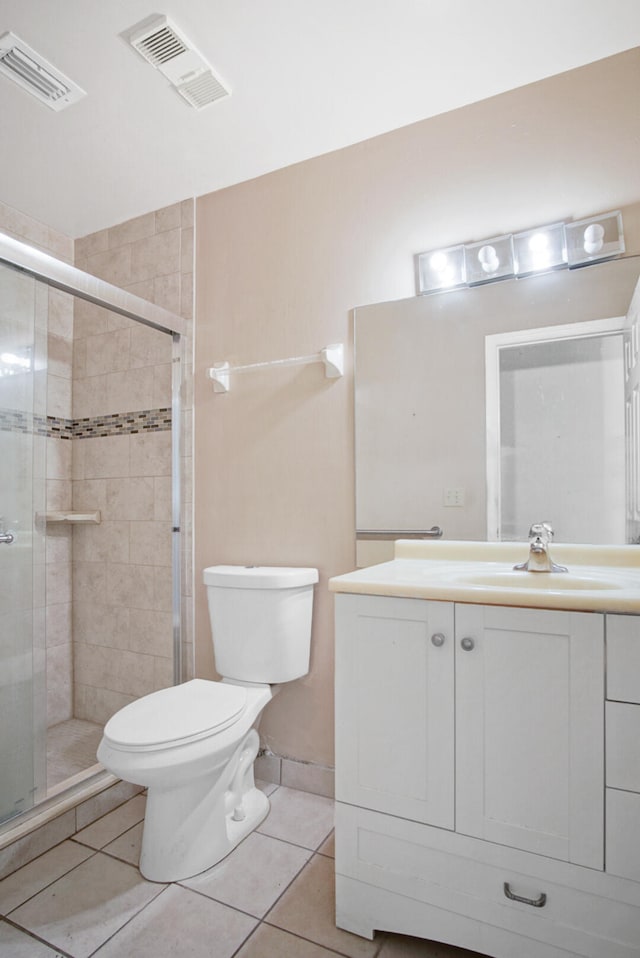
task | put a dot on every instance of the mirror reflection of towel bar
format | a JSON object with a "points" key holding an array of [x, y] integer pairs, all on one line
{"points": [[435, 532]]}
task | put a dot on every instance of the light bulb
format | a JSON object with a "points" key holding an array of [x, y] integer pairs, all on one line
{"points": [[438, 262], [488, 258], [539, 243], [539, 247], [593, 238]]}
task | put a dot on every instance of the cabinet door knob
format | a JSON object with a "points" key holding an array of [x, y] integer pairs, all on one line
{"points": [[437, 639], [467, 643], [535, 902]]}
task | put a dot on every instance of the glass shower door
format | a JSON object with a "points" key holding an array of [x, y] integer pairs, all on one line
{"points": [[23, 332]]}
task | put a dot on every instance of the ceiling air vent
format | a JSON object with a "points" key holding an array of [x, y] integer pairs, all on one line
{"points": [[169, 51], [204, 89], [160, 45], [35, 74]]}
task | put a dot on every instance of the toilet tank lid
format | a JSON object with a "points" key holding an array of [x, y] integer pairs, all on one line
{"points": [[258, 577]]}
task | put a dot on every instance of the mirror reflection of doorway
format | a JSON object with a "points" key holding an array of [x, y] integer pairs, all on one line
{"points": [[556, 432]]}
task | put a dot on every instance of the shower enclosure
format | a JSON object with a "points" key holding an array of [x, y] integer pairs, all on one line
{"points": [[90, 578]]}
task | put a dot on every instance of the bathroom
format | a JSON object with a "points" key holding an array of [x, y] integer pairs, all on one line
{"points": [[273, 479]]}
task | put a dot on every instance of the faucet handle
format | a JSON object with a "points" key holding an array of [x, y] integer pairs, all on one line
{"points": [[542, 529]]}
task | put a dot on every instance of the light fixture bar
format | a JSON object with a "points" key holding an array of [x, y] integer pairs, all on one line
{"points": [[538, 250]]}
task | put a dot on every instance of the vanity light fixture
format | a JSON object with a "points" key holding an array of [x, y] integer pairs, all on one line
{"points": [[594, 239], [489, 260], [441, 269], [540, 249], [556, 246]]}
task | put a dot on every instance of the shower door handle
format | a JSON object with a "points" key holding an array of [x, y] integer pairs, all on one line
{"points": [[6, 537]]}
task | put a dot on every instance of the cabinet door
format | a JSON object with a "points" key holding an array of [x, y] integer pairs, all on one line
{"points": [[530, 730], [394, 706]]}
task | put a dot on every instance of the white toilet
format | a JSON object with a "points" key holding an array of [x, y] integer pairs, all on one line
{"points": [[193, 746]]}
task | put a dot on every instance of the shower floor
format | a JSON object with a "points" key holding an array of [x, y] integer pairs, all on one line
{"points": [[71, 749]]}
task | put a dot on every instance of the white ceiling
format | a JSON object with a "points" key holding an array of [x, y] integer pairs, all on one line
{"points": [[306, 78]]}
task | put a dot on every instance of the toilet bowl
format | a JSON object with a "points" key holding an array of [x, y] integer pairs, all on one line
{"points": [[193, 745]]}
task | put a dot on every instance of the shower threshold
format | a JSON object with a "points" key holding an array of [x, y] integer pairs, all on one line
{"points": [[71, 753]]}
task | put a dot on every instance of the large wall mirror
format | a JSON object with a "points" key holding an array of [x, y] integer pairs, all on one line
{"points": [[423, 426]]}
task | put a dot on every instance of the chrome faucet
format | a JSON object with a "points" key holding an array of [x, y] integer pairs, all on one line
{"points": [[540, 536], [6, 537]]}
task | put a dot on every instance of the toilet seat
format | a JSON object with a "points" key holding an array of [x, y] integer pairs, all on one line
{"points": [[176, 716]]}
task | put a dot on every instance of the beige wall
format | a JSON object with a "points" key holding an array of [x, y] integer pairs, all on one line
{"points": [[282, 260]]}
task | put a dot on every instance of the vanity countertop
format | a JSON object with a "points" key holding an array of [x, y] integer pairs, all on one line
{"points": [[600, 578]]}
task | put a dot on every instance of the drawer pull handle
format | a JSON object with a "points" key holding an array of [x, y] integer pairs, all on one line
{"points": [[437, 639], [535, 902]]}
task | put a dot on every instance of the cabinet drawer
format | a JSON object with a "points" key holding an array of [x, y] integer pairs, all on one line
{"points": [[623, 745], [448, 872], [623, 658], [623, 834]]}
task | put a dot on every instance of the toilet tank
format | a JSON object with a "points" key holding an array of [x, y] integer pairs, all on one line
{"points": [[260, 621]]}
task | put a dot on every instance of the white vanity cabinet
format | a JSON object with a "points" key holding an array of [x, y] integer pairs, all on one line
{"points": [[529, 730], [470, 778]]}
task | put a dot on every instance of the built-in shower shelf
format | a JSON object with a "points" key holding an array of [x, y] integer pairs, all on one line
{"points": [[74, 517]]}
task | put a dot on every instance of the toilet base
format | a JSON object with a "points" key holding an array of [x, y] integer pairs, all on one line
{"points": [[190, 828]]}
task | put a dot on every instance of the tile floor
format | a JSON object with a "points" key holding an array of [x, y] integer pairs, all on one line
{"points": [[271, 898], [71, 748]]}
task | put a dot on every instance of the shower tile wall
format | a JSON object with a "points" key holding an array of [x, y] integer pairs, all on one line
{"points": [[122, 621]]}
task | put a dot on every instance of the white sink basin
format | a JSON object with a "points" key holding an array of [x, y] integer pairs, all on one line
{"points": [[600, 578]]}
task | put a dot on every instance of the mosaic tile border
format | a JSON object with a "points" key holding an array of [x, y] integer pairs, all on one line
{"points": [[123, 424], [53, 427], [114, 424]]}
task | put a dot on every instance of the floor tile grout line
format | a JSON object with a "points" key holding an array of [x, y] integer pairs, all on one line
{"points": [[103, 848], [50, 944], [53, 880], [265, 921], [311, 852], [96, 851], [196, 891], [130, 919], [297, 875], [259, 920], [311, 941], [61, 953], [242, 910], [246, 939], [313, 849]]}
